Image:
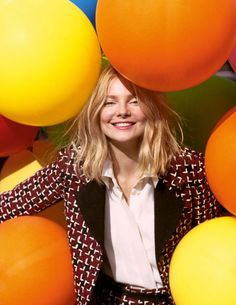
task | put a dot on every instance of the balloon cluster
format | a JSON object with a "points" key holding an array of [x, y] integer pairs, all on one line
{"points": [[50, 59], [204, 260]]}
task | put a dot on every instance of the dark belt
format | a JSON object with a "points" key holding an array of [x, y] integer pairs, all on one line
{"points": [[105, 284]]}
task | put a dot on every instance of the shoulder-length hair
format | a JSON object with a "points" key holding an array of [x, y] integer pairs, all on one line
{"points": [[159, 143]]}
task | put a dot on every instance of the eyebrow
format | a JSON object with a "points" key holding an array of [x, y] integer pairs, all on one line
{"points": [[114, 96]]}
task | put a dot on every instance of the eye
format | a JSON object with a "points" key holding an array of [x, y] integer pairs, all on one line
{"points": [[109, 103], [134, 101]]}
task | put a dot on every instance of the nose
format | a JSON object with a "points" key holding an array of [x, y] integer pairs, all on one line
{"points": [[123, 110]]}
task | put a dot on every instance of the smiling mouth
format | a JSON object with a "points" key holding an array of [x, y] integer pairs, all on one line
{"points": [[123, 124]]}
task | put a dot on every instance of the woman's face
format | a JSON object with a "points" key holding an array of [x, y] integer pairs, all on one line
{"points": [[121, 118]]}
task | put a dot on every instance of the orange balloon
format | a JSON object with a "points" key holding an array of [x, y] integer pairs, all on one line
{"points": [[55, 213], [166, 45], [44, 151], [221, 161], [35, 263]]}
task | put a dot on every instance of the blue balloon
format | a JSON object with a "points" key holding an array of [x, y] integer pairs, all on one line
{"points": [[88, 7]]}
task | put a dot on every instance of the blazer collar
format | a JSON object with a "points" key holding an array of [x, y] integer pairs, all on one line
{"points": [[167, 212], [168, 209], [91, 201]]}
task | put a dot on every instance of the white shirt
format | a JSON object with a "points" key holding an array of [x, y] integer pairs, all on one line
{"points": [[129, 232]]}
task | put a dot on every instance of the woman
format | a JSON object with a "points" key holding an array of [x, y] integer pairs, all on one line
{"points": [[130, 192]]}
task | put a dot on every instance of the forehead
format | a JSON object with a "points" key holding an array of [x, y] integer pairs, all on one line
{"points": [[118, 86]]}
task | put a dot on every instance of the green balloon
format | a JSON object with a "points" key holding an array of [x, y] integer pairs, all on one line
{"points": [[105, 61], [201, 107], [58, 134]]}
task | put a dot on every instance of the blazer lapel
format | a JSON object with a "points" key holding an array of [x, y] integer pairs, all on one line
{"points": [[168, 209], [91, 201]]}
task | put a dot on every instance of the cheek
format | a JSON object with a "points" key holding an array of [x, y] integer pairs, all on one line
{"points": [[104, 122], [105, 116], [141, 117]]}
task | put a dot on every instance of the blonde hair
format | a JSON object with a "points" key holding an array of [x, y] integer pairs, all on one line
{"points": [[159, 143]]}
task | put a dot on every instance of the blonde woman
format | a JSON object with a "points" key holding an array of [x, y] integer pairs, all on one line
{"points": [[131, 192]]}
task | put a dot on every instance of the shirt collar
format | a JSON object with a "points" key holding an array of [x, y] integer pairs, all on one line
{"points": [[108, 176]]}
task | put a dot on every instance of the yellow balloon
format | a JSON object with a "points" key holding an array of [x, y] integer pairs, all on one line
{"points": [[17, 168], [203, 266], [25, 163], [50, 60]]}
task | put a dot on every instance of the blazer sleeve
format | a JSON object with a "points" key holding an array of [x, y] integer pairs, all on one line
{"points": [[187, 177], [37, 192], [204, 202]]}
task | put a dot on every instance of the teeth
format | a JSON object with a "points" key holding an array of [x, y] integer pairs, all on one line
{"points": [[122, 124]]}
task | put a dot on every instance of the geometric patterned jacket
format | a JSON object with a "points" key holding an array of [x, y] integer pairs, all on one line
{"points": [[182, 200]]}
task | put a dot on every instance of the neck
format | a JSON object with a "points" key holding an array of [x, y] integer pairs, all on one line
{"points": [[125, 159]]}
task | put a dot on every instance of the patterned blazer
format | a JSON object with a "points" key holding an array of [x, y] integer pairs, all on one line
{"points": [[182, 200]]}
